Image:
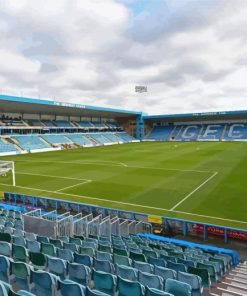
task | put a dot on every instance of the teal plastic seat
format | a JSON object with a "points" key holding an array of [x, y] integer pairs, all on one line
{"points": [[23, 293], [193, 280], [105, 248], [177, 288], [68, 288], [30, 236], [143, 266], [127, 273], [165, 273], [94, 292], [5, 249], [83, 259], [21, 273], [155, 292], [176, 266], [127, 288], [137, 257], [87, 251], [33, 246], [20, 253], [48, 249], [56, 242], [65, 255], [75, 240], [211, 270], [121, 260], [38, 260], [70, 246], [64, 239], [203, 274], [168, 258], [103, 256], [57, 266], [44, 283], [187, 263], [105, 282], [19, 240], [90, 244], [157, 261], [79, 273], [42, 239], [3, 290], [4, 269], [150, 280], [103, 265], [5, 237]]}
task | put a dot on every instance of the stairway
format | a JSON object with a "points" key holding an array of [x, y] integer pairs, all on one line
{"points": [[234, 283]]}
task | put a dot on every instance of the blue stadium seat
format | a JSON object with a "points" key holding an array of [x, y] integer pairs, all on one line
{"points": [[3, 290], [68, 288], [5, 249], [94, 292], [21, 273], [65, 254], [165, 273], [33, 246], [155, 292], [143, 266], [127, 288], [126, 272], [44, 283], [176, 266], [83, 259], [79, 273], [70, 246], [193, 280], [103, 265], [157, 261], [4, 269], [105, 282], [177, 288], [150, 280], [57, 266]]}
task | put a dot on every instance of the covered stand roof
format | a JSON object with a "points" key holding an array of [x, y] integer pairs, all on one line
{"points": [[205, 116], [12, 104]]}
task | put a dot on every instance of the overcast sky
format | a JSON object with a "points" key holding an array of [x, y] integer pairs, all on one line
{"points": [[191, 54]]}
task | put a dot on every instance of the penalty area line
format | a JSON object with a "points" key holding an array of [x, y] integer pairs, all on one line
{"points": [[52, 176], [192, 192], [75, 185]]}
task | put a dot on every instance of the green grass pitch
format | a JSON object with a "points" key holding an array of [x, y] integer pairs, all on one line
{"points": [[197, 181]]}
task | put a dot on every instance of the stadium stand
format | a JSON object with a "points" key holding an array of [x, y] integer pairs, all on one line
{"points": [[6, 147], [42, 265], [29, 142], [160, 133], [55, 139], [199, 132]]}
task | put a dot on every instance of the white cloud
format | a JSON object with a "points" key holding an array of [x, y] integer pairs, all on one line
{"points": [[190, 54]]}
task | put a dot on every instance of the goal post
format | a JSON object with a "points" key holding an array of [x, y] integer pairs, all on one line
{"points": [[7, 173]]}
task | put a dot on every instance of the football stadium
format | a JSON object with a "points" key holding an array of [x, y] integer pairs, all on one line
{"points": [[131, 180]]}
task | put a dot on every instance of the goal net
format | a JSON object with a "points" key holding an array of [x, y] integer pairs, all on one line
{"points": [[7, 173]]}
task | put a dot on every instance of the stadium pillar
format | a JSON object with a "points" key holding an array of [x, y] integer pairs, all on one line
{"points": [[204, 231], [225, 236], [139, 127]]}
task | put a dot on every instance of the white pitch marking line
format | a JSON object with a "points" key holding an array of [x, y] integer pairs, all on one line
{"points": [[136, 205], [78, 184], [52, 176], [115, 165], [192, 192], [89, 197]]}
